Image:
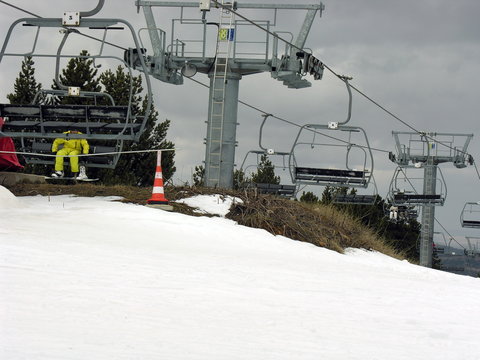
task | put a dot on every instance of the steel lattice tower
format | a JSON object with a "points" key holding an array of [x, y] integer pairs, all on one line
{"points": [[427, 151]]}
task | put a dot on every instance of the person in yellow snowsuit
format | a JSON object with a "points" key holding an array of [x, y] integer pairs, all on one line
{"points": [[71, 147]]}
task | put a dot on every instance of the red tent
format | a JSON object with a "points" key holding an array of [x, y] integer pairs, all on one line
{"points": [[8, 162]]}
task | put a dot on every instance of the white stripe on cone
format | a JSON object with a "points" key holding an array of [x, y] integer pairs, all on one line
{"points": [[158, 175], [158, 189]]}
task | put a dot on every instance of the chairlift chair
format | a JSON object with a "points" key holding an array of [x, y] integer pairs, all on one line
{"points": [[354, 199], [397, 213], [104, 124], [473, 249], [357, 199], [285, 190], [275, 189], [470, 215], [403, 192], [440, 248], [445, 245], [343, 174]]}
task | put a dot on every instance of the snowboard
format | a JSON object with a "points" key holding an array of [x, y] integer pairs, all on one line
{"points": [[65, 178]]}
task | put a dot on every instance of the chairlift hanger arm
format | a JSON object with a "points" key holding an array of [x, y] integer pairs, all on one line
{"points": [[57, 61], [94, 11], [265, 117], [350, 100], [244, 160], [57, 68]]}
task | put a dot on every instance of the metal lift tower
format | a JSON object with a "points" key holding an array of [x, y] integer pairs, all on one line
{"points": [[174, 59], [427, 151]]}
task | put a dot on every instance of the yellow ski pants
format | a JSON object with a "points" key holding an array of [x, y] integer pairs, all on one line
{"points": [[73, 159]]}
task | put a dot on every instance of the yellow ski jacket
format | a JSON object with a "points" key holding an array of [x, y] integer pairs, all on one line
{"points": [[74, 144]]}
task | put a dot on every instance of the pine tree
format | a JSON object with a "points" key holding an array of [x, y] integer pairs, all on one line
{"points": [[117, 85], [137, 169], [25, 90], [25, 87], [326, 195], [436, 261], [239, 179], [330, 192], [401, 234], [265, 172], [309, 197], [199, 176], [132, 169], [79, 72]]}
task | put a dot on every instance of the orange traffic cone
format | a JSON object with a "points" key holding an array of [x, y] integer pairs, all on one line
{"points": [[158, 198]]}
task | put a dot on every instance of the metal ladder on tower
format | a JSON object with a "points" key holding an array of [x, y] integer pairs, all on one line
{"points": [[217, 108]]}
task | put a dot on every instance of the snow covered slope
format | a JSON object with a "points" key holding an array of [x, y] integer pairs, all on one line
{"points": [[92, 278]]}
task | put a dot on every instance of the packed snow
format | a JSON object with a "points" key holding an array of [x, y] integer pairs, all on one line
{"points": [[95, 278], [211, 204]]}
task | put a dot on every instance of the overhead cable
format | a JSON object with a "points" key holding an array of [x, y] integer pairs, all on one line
{"points": [[291, 122], [369, 98], [18, 8], [76, 32], [341, 77]]}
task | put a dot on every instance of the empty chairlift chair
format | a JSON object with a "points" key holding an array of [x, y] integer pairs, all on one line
{"points": [[336, 154], [345, 158], [283, 190], [470, 216], [473, 247], [439, 242], [404, 190], [357, 199], [354, 199], [103, 123]]}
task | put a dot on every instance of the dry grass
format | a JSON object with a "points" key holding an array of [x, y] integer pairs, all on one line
{"points": [[320, 225]]}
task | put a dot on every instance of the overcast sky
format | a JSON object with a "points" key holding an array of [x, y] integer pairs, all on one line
{"points": [[418, 58]]}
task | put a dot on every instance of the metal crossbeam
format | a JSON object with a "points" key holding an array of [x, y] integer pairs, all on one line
{"points": [[238, 6]]}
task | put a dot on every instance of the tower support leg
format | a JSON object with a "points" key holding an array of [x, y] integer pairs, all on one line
{"points": [[221, 131], [428, 216]]}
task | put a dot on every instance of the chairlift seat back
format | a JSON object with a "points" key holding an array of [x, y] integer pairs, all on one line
{"points": [[276, 189], [471, 223], [418, 198], [50, 121], [20, 125], [331, 176], [62, 111], [355, 199]]}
